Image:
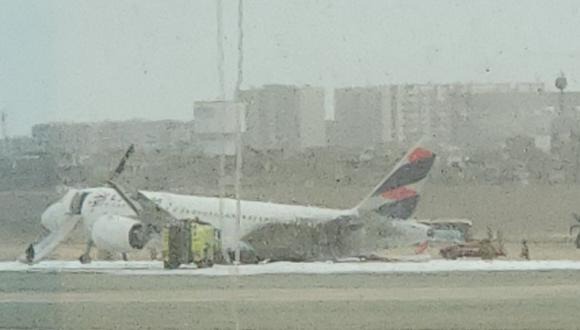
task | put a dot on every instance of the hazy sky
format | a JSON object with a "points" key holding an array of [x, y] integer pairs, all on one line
{"points": [[93, 60]]}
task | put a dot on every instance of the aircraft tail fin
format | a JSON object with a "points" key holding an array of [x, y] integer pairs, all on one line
{"points": [[397, 195]]}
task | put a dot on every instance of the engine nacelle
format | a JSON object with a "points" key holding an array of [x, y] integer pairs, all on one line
{"points": [[116, 233]]}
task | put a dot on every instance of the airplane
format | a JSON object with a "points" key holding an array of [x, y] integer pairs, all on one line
{"points": [[118, 223]]}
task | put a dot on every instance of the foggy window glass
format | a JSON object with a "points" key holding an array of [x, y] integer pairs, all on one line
{"points": [[251, 164]]}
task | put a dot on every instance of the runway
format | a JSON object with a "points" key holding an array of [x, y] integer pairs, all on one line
{"points": [[417, 265], [436, 300]]}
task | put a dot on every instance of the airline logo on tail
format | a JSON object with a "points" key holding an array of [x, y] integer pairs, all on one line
{"points": [[397, 195]]}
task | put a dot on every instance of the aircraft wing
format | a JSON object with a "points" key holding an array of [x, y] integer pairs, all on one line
{"points": [[152, 213], [39, 250], [147, 210]]}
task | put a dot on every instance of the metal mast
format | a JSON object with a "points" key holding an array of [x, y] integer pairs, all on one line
{"points": [[239, 127]]}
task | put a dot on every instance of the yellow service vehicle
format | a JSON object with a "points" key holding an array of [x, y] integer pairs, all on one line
{"points": [[191, 241], [205, 244]]}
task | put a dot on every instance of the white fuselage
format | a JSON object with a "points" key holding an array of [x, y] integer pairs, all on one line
{"points": [[394, 197], [105, 201]]}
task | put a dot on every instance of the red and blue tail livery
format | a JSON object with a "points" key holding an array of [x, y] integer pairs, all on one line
{"points": [[397, 195]]}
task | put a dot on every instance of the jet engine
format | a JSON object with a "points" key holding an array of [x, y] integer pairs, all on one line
{"points": [[119, 234]]}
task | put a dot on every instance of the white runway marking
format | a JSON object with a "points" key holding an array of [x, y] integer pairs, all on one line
{"points": [[156, 267]]}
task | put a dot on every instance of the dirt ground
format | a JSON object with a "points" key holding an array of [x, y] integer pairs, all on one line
{"points": [[507, 300]]}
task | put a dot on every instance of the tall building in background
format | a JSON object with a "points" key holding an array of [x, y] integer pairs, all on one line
{"points": [[78, 139], [449, 113], [216, 125], [417, 112], [395, 114], [358, 118], [291, 118], [284, 117]]}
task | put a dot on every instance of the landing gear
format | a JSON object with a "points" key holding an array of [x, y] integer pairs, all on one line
{"points": [[85, 258], [30, 253], [153, 254]]}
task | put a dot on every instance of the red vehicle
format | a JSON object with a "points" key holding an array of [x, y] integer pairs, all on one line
{"points": [[484, 249]]}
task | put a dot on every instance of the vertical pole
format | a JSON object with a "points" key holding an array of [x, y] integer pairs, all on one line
{"points": [[240, 47], [220, 50], [4, 132], [222, 190], [221, 97], [238, 181], [4, 144], [561, 102], [239, 113]]}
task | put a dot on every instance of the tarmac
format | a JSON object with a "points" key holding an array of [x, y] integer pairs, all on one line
{"points": [[414, 264], [524, 299]]}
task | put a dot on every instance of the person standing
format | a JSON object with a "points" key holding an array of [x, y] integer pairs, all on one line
{"points": [[525, 250]]}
